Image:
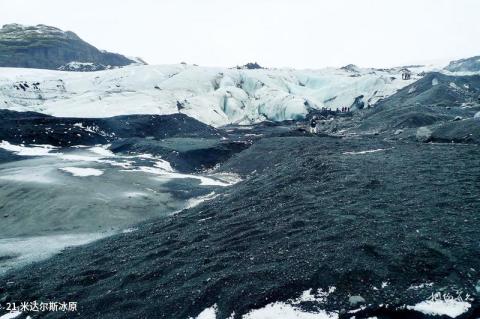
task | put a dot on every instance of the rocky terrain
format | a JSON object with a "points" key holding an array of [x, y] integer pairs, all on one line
{"points": [[369, 216], [68, 181], [436, 103], [359, 215], [217, 203], [37, 128], [46, 47]]}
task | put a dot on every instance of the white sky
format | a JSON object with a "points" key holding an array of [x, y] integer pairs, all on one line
{"points": [[276, 33]]}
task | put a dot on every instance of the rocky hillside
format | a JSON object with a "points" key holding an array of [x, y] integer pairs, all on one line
{"points": [[320, 226], [46, 47], [433, 100]]}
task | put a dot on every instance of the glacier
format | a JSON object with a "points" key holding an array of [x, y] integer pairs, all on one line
{"points": [[216, 96]]}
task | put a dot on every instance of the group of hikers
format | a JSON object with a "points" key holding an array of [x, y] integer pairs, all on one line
{"points": [[406, 75], [343, 109], [315, 119]]}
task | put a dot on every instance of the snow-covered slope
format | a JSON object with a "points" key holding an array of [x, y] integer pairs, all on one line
{"points": [[216, 96]]}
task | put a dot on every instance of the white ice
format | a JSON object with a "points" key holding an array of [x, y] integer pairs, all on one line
{"points": [[215, 96]]}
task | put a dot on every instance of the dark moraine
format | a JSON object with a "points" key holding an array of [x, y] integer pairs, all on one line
{"points": [[314, 212], [37, 128]]}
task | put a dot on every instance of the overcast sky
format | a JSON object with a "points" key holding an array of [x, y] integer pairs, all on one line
{"points": [[276, 33]]}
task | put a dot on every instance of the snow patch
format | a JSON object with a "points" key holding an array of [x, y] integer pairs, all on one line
{"points": [[102, 151], [82, 171], [358, 309], [129, 230], [280, 310], [453, 86], [420, 286], [209, 313], [11, 315], [170, 174], [366, 152], [451, 308], [162, 164], [198, 200], [92, 129], [423, 134], [319, 296], [22, 150], [434, 82], [206, 181]]}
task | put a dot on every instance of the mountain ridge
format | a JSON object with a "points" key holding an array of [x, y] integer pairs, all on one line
{"points": [[47, 47]]}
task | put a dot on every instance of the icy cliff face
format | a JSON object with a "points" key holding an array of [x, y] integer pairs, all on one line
{"points": [[215, 96]]}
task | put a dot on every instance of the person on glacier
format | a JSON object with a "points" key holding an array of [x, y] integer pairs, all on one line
{"points": [[313, 125]]}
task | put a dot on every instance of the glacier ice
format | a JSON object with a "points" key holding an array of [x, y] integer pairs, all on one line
{"points": [[216, 96]]}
